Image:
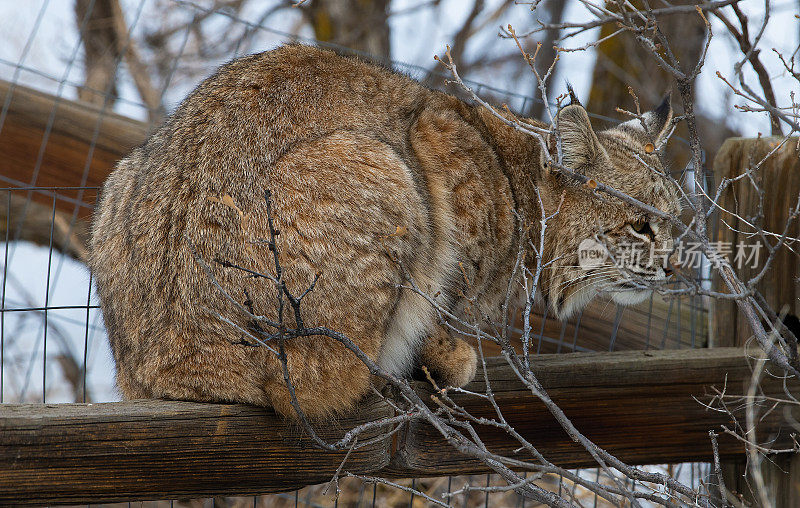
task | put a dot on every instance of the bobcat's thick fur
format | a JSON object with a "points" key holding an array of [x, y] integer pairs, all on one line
{"points": [[360, 161]]}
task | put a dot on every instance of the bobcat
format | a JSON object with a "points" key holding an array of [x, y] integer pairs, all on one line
{"points": [[374, 178]]}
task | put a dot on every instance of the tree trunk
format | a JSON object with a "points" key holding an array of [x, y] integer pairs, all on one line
{"points": [[362, 25], [555, 12], [100, 51], [106, 40], [623, 63]]}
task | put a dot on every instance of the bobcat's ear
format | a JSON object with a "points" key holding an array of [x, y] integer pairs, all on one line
{"points": [[579, 144], [656, 121]]}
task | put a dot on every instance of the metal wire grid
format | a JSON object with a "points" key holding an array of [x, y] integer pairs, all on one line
{"points": [[30, 312], [26, 352]]}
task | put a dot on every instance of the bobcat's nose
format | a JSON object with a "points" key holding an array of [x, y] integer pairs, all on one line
{"points": [[669, 269]]}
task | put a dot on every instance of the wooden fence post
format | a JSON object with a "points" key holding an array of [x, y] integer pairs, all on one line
{"points": [[779, 177]]}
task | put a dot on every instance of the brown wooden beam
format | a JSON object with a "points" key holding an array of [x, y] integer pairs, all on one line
{"points": [[81, 453], [779, 179], [637, 405], [46, 141]]}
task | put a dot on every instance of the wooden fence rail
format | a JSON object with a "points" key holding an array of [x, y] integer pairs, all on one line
{"points": [[640, 406]]}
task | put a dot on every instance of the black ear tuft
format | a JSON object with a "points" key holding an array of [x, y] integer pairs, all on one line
{"points": [[657, 121], [663, 112], [573, 99]]}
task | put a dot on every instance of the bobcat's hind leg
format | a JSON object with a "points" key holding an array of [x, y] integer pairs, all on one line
{"points": [[451, 360], [327, 379]]}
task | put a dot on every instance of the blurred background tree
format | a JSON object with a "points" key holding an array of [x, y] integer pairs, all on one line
{"points": [[622, 64], [194, 34]]}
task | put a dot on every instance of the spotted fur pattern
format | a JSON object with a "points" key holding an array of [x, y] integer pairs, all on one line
{"points": [[367, 169]]}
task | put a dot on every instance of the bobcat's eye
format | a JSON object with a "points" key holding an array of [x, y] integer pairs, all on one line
{"points": [[642, 227]]}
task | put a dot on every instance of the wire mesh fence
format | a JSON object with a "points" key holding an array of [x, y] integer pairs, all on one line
{"points": [[52, 340]]}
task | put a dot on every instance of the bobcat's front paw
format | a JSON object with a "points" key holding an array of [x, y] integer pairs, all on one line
{"points": [[452, 361], [464, 364]]}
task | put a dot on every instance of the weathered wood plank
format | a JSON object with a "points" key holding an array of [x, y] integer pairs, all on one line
{"points": [[80, 147], [76, 453], [638, 405], [779, 178]]}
